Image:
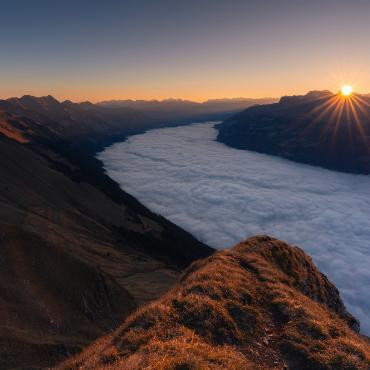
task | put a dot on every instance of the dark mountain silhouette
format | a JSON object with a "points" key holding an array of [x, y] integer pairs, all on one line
{"points": [[77, 253], [100, 124], [52, 301], [75, 120], [261, 305], [320, 128], [185, 110]]}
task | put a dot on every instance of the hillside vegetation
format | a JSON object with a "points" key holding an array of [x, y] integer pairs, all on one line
{"points": [[261, 305]]}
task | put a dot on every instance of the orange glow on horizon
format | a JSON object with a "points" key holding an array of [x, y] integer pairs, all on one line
{"points": [[196, 94]]}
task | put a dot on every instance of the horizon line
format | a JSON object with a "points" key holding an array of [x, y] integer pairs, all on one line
{"points": [[161, 100]]}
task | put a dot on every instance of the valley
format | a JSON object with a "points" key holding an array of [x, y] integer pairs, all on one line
{"points": [[222, 195]]}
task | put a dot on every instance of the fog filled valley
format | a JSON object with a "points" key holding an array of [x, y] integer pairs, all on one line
{"points": [[119, 246], [222, 195]]}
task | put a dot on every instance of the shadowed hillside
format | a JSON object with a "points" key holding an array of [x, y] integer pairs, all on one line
{"points": [[52, 303], [261, 305], [77, 254], [319, 128], [113, 120]]}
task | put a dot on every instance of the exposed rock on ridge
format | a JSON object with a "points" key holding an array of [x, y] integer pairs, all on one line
{"points": [[261, 305]]}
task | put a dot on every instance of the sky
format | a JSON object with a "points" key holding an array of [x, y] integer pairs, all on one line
{"points": [[194, 49], [224, 195]]}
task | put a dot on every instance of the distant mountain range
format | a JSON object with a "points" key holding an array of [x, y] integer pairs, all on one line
{"points": [[185, 110], [74, 120], [92, 121], [319, 128]]}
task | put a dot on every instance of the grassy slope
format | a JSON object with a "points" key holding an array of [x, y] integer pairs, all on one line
{"points": [[261, 305]]}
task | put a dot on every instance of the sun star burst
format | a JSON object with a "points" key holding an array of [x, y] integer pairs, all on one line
{"points": [[346, 90]]}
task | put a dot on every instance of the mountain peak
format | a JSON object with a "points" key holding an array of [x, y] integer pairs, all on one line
{"points": [[320, 128], [311, 95], [40, 99], [261, 305]]}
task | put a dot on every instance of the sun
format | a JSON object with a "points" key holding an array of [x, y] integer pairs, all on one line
{"points": [[346, 90]]}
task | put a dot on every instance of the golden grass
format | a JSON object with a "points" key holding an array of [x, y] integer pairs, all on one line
{"points": [[261, 305]]}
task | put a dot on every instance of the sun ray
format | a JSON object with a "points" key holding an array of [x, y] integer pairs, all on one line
{"points": [[338, 105], [360, 100], [337, 121], [342, 112], [324, 108], [358, 123]]}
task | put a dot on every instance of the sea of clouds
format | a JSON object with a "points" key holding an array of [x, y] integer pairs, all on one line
{"points": [[223, 195]]}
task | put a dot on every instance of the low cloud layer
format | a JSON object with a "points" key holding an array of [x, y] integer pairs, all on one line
{"points": [[223, 195]]}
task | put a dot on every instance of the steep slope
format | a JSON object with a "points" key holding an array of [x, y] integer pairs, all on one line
{"points": [[319, 128], [75, 121], [66, 225], [261, 305], [52, 303]]}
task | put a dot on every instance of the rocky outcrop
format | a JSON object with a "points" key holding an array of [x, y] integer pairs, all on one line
{"points": [[319, 128], [261, 305]]}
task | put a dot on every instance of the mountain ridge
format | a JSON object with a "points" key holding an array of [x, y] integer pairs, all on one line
{"points": [[260, 305], [58, 208], [319, 128], [187, 110]]}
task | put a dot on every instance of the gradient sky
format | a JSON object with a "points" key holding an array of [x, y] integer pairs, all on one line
{"points": [[108, 49]]}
